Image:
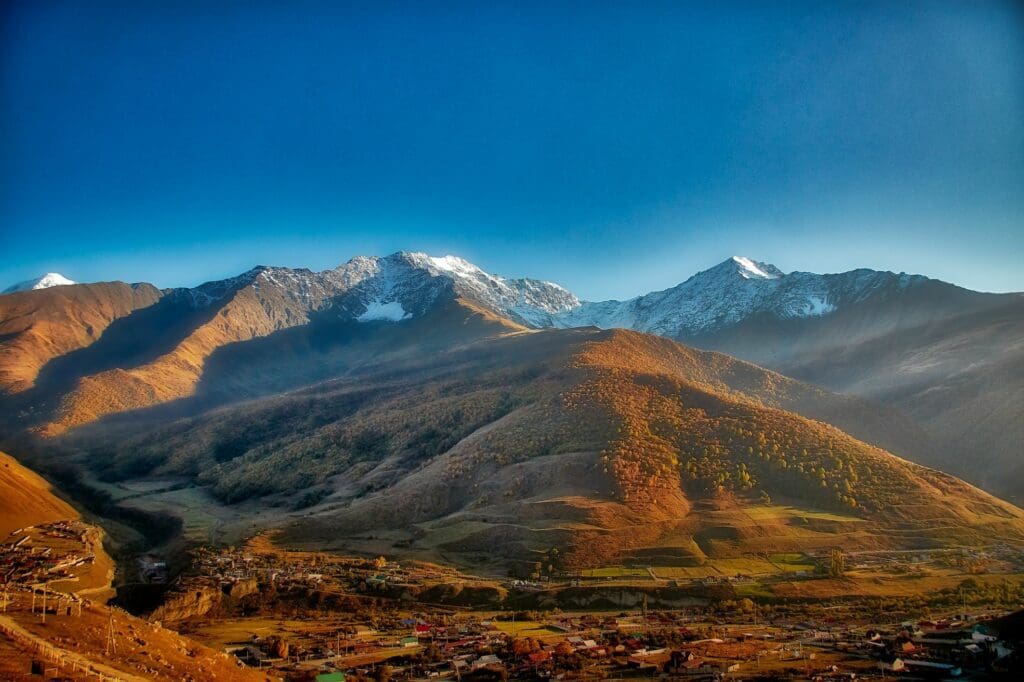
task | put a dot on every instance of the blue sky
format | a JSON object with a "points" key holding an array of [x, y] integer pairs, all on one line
{"points": [[613, 147]]}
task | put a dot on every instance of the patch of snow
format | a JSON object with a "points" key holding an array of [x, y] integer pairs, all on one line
{"points": [[817, 306], [453, 264], [392, 311]]}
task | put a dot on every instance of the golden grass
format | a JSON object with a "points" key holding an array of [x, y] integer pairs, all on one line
{"points": [[27, 499]]}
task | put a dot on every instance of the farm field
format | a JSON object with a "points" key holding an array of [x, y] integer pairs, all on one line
{"points": [[876, 584], [775, 564], [528, 628], [616, 572], [221, 633], [761, 512]]}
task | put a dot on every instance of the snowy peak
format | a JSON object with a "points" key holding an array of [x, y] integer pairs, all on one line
{"points": [[741, 268], [50, 279], [751, 269], [391, 288], [533, 302], [449, 265], [736, 290]]}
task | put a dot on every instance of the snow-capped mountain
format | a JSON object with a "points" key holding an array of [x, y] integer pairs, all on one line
{"points": [[530, 300], [405, 285], [50, 279], [947, 356], [732, 291], [394, 288]]}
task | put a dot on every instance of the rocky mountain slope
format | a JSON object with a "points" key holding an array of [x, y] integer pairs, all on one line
{"points": [[734, 291]]}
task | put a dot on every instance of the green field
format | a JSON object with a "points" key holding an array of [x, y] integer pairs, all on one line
{"points": [[615, 572], [761, 512], [528, 628], [719, 567], [788, 558], [790, 562]]}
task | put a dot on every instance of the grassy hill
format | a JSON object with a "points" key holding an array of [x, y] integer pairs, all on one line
{"points": [[26, 499], [950, 359], [39, 326], [605, 444]]}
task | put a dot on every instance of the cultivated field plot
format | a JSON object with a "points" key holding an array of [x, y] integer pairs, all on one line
{"points": [[616, 572], [529, 628], [719, 568], [776, 564], [878, 584], [766, 512]]}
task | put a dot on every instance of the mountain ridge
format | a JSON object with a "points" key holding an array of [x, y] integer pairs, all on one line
{"points": [[801, 324], [546, 303]]}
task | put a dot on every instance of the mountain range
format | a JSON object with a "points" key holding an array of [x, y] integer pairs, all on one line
{"points": [[948, 359]]}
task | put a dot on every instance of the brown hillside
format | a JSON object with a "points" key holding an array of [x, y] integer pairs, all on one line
{"points": [[175, 374], [604, 443], [76, 647], [213, 354], [955, 367], [38, 326], [26, 499]]}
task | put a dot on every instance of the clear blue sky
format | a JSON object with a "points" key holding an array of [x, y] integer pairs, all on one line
{"points": [[613, 147]]}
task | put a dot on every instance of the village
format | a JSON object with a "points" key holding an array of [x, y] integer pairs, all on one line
{"points": [[323, 617], [58, 552], [318, 616]]}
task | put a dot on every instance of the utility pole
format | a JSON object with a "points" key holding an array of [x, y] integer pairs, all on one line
{"points": [[45, 585], [111, 644], [644, 613]]}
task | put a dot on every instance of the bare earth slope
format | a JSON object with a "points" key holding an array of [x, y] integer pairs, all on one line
{"points": [[26, 499], [38, 326]]}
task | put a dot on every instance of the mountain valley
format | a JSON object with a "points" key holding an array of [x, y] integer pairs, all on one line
{"points": [[722, 438]]}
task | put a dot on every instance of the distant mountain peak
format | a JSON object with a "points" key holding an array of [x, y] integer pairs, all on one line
{"points": [[50, 279]]}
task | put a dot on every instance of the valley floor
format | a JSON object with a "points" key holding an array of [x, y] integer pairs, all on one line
{"points": [[783, 618]]}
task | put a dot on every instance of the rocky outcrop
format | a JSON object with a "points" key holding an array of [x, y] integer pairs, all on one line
{"points": [[192, 603]]}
